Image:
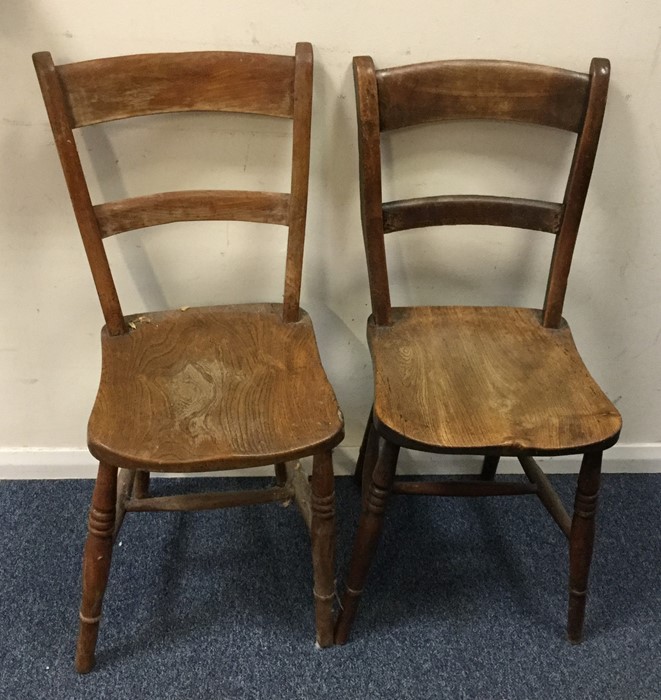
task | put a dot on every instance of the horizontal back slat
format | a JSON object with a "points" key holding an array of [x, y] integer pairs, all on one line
{"points": [[192, 205], [471, 209], [500, 90], [128, 86]]}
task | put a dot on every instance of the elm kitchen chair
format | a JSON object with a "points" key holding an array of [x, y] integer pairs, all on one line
{"points": [[208, 388], [492, 381]]}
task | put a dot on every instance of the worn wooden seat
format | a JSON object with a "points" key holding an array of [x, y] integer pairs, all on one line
{"points": [[483, 380], [199, 389], [212, 388], [479, 380]]}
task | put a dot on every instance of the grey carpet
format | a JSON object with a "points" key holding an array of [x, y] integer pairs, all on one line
{"points": [[466, 600]]}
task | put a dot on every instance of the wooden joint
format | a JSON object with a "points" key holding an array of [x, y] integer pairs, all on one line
{"points": [[586, 505], [352, 592], [318, 596], [376, 499], [323, 506], [101, 523], [574, 592], [89, 620]]}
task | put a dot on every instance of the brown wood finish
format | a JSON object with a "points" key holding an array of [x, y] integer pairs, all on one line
{"points": [[106, 89], [576, 191], [502, 90], [581, 541], [462, 488], [471, 379], [299, 180], [141, 484], [489, 467], [369, 154], [54, 100], [189, 502], [193, 205], [322, 533], [546, 492], [479, 380], [96, 563], [367, 537], [125, 486], [471, 209], [199, 389], [209, 388]]}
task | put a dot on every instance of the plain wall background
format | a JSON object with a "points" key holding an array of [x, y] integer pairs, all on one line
{"points": [[49, 347]]}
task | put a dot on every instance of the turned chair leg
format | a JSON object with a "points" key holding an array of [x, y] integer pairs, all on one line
{"points": [[96, 564], [322, 532], [581, 540], [367, 537], [489, 467]]}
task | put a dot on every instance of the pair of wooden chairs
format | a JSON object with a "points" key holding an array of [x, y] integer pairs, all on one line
{"points": [[225, 387]]}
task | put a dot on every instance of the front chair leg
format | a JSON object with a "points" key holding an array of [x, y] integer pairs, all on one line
{"points": [[96, 564], [367, 537], [322, 532], [581, 540]]}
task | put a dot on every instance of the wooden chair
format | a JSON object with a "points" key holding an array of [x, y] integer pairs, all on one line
{"points": [[199, 389], [479, 380]]}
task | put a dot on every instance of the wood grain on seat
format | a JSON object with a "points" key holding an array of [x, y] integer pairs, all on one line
{"points": [[475, 379], [212, 388]]}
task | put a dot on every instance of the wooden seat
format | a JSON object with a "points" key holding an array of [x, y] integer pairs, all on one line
{"points": [[485, 379], [199, 389], [493, 381], [212, 388]]}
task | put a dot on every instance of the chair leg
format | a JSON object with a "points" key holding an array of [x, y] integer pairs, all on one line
{"points": [[141, 484], [489, 467], [96, 564], [581, 540], [322, 532], [125, 481], [358, 472], [280, 474], [367, 537], [369, 463]]}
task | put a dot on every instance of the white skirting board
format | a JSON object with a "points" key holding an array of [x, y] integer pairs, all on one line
{"points": [[65, 463]]}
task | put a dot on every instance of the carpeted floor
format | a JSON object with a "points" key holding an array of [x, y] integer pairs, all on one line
{"points": [[466, 600]]}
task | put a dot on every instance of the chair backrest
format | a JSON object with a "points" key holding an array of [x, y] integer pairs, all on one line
{"points": [[458, 90], [90, 92]]}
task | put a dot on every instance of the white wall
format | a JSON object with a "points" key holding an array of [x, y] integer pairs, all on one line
{"points": [[49, 349]]}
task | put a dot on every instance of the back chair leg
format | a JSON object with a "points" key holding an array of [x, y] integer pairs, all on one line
{"points": [[371, 456], [489, 467], [280, 474], [96, 564], [581, 541], [322, 531], [141, 484], [358, 472], [367, 537]]}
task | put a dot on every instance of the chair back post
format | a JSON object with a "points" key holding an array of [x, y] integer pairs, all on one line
{"points": [[80, 198], [300, 173], [576, 191], [369, 154]]}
